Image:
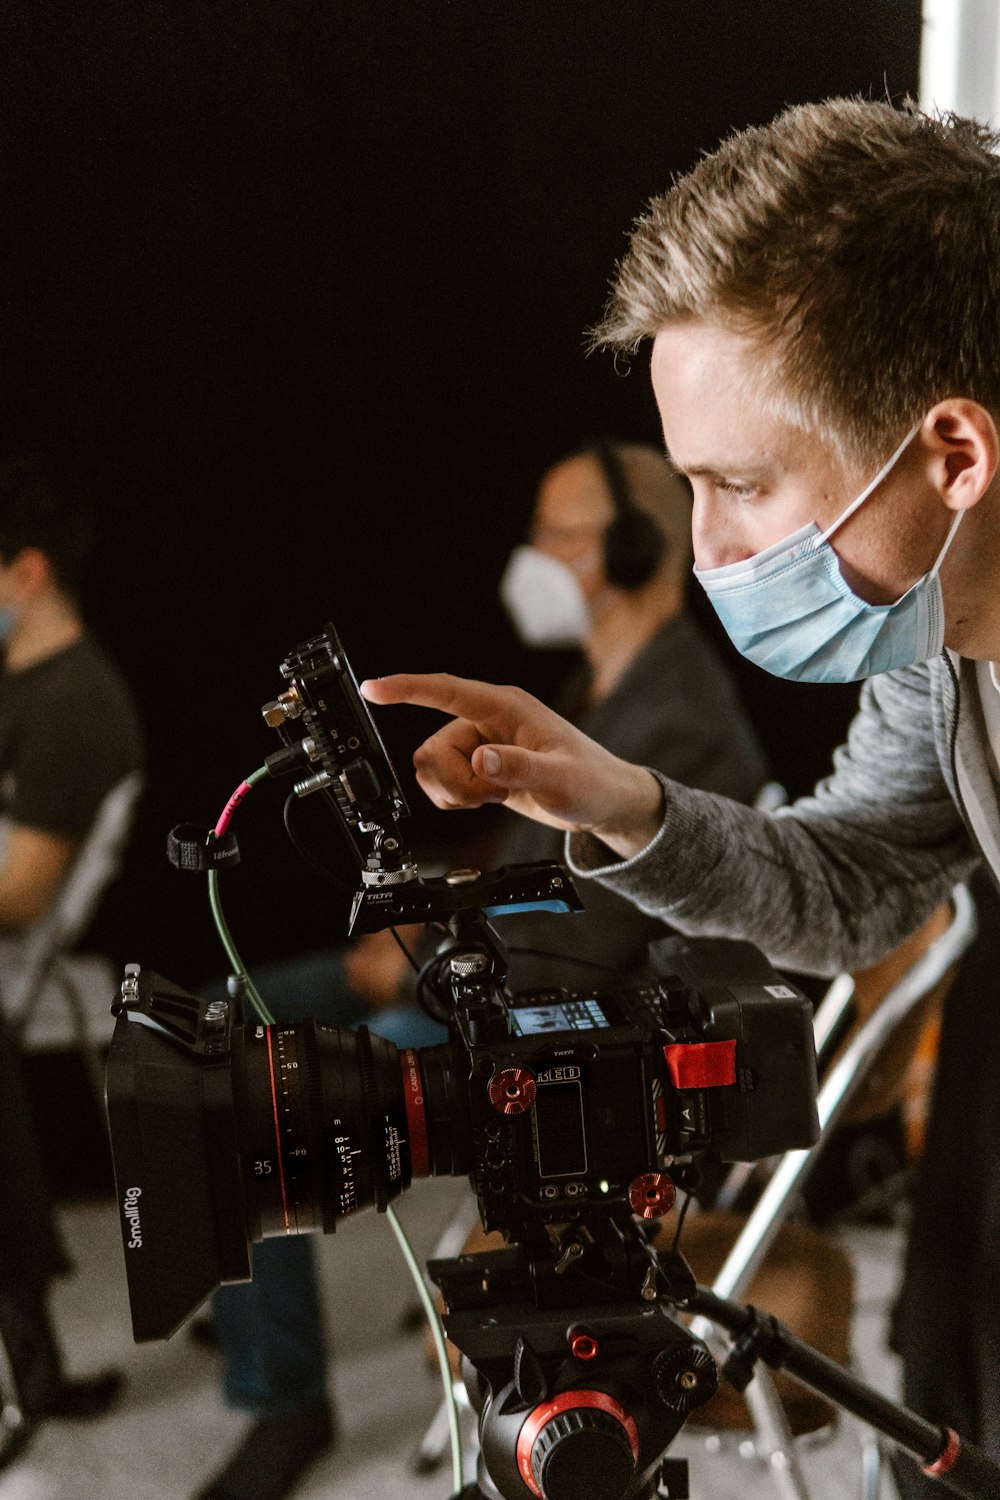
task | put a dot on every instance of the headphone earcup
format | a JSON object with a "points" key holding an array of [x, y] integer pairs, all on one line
{"points": [[633, 549]]}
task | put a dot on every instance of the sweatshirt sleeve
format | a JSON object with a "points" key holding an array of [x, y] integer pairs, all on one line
{"points": [[832, 882]]}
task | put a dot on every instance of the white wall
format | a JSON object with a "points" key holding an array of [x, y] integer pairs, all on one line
{"points": [[960, 57]]}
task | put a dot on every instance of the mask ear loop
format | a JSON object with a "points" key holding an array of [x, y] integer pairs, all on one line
{"points": [[947, 543], [870, 489]]}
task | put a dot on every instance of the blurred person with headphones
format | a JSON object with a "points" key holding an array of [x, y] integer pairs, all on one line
{"points": [[606, 569]]}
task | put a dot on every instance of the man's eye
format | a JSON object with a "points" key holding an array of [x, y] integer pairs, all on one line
{"points": [[739, 491]]}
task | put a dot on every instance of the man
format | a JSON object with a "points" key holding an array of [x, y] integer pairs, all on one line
{"points": [[68, 734], [606, 570], [822, 296]]}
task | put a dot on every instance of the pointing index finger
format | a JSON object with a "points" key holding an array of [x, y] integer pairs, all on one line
{"points": [[459, 696]]}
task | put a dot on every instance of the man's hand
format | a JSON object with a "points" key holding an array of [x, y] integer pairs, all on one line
{"points": [[502, 745]]}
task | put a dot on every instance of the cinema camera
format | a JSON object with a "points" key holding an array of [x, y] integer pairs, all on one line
{"points": [[575, 1113]]}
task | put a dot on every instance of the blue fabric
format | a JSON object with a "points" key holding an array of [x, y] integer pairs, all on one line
{"points": [[405, 1026], [270, 1330]]}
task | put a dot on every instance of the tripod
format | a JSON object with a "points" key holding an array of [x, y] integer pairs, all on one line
{"points": [[581, 1398]]}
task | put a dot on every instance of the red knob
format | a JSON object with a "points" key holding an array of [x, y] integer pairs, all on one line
{"points": [[512, 1091], [652, 1195], [582, 1344]]}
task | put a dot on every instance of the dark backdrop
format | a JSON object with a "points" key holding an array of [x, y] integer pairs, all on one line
{"points": [[297, 291]]}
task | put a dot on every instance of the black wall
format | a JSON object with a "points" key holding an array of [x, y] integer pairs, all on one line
{"points": [[297, 290]]}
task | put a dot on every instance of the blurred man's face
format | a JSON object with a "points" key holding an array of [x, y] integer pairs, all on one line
{"points": [[572, 513], [8, 586], [16, 580], [756, 478]]}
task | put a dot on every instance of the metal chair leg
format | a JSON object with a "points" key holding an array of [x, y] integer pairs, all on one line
{"points": [[90, 1054], [773, 1438]]}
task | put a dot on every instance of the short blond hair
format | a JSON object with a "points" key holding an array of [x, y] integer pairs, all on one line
{"points": [[858, 245]]}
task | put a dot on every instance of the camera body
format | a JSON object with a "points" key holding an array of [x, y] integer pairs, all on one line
{"points": [[581, 1101], [560, 1106]]}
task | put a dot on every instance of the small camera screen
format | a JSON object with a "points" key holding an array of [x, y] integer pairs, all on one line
{"points": [[559, 1127], [565, 1015]]}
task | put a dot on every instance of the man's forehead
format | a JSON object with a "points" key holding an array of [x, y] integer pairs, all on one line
{"points": [[717, 409]]}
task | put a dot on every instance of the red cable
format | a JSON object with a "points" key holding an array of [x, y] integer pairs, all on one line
{"points": [[230, 808]]}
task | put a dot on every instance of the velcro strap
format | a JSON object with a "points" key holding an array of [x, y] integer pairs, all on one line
{"points": [[190, 847]]}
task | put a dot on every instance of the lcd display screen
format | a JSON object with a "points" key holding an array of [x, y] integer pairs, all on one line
{"points": [[564, 1015], [559, 1130]]}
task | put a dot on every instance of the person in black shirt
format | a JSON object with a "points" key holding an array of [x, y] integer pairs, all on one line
{"points": [[69, 733]]}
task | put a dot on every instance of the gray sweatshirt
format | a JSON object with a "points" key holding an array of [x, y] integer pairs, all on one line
{"points": [[839, 878]]}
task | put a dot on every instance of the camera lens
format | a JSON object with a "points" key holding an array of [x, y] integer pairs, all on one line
{"points": [[330, 1122], [224, 1134]]}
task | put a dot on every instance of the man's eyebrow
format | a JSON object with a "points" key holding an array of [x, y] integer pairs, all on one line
{"points": [[728, 470]]}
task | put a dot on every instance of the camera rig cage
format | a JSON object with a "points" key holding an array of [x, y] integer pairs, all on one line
{"points": [[575, 1114]]}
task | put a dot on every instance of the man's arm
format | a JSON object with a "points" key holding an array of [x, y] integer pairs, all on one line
{"points": [[32, 871], [836, 880], [833, 882]]}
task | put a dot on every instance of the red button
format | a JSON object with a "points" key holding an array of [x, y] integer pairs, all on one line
{"points": [[701, 1065]]}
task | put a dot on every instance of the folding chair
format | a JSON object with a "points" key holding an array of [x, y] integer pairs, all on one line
{"points": [[917, 974], [38, 967]]}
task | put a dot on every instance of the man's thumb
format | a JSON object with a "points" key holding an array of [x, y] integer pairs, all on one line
{"points": [[507, 766]]}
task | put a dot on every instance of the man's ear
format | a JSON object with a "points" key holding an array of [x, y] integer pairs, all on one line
{"points": [[961, 444]]}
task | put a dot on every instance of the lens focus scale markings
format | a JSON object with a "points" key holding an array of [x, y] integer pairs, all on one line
{"points": [[293, 1116], [288, 1069], [284, 1154], [327, 1127], [278, 1142]]}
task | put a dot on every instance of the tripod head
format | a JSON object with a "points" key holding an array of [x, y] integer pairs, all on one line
{"points": [[575, 1364]]}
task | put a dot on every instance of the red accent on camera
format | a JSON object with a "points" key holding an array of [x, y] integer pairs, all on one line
{"points": [[651, 1195], [512, 1091], [701, 1065], [537, 1419], [582, 1344], [416, 1120]]}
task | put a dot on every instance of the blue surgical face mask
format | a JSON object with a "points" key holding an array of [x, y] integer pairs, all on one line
{"points": [[790, 610], [8, 620]]}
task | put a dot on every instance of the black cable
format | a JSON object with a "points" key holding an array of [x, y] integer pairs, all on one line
{"points": [[680, 1223], [406, 952], [428, 999], [316, 865]]}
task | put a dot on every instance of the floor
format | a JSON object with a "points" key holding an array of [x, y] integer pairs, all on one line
{"points": [[172, 1429]]}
